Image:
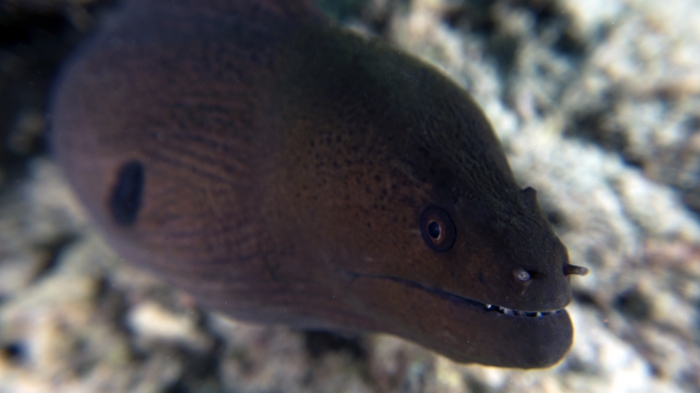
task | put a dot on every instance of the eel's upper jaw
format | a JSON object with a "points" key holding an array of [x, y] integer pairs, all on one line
{"points": [[465, 330], [455, 297]]}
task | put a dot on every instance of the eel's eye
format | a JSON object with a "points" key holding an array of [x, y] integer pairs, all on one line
{"points": [[437, 229], [521, 274], [125, 201]]}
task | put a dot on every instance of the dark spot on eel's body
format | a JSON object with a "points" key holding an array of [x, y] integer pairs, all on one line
{"points": [[126, 195]]}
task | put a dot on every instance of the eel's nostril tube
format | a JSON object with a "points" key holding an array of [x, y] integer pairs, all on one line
{"points": [[573, 269]]}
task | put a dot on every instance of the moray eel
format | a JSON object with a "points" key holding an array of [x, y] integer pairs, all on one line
{"points": [[284, 170]]}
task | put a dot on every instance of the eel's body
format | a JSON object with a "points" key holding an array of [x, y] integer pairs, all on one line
{"points": [[283, 170]]}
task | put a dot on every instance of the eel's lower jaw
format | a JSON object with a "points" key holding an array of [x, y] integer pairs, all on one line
{"points": [[464, 330]]}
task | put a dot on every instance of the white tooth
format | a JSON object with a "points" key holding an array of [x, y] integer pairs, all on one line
{"points": [[488, 306], [539, 314], [508, 311]]}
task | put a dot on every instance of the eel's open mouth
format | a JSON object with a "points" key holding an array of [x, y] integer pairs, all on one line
{"points": [[508, 311], [459, 298]]}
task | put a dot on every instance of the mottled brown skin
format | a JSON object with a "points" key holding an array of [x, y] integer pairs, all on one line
{"points": [[286, 165]]}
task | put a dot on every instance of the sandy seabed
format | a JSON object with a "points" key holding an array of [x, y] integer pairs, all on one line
{"points": [[597, 104]]}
